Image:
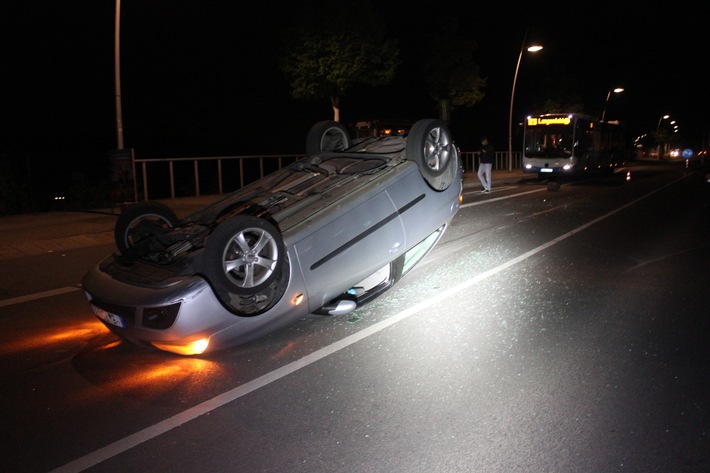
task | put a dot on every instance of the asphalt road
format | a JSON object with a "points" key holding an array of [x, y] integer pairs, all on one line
{"points": [[548, 331]]}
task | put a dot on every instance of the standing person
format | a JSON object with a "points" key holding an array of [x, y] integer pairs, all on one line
{"points": [[485, 165]]}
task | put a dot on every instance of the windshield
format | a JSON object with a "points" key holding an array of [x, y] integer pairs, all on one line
{"points": [[549, 142]]}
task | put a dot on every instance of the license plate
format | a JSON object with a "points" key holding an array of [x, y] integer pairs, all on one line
{"points": [[545, 170], [108, 317]]}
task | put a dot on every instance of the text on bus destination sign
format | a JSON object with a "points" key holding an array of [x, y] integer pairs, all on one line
{"points": [[536, 121]]}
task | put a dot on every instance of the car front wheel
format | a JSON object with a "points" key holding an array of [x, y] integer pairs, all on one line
{"points": [[246, 264], [430, 145]]}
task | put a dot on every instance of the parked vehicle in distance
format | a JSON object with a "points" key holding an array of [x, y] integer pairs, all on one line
{"points": [[321, 236]]}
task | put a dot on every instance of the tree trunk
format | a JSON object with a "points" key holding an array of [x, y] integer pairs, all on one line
{"points": [[335, 103]]}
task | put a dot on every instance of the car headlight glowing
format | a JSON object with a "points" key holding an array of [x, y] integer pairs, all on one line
{"points": [[196, 347]]}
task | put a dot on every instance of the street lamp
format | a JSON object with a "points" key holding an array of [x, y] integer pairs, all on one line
{"points": [[532, 49], [618, 90]]}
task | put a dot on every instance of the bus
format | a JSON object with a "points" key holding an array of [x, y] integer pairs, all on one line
{"points": [[571, 144]]}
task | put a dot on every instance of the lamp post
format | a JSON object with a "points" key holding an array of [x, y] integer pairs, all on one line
{"points": [[532, 49], [658, 128], [617, 90], [122, 169], [117, 72]]}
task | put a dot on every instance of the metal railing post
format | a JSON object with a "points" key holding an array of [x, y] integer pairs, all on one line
{"points": [[197, 177], [145, 180], [219, 175], [172, 179]]}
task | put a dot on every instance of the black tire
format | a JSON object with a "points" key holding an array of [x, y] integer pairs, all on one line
{"points": [[430, 145], [141, 221], [245, 261], [327, 135]]}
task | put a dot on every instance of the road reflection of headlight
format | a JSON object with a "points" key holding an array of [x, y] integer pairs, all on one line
{"points": [[124, 368], [189, 373], [56, 336]]}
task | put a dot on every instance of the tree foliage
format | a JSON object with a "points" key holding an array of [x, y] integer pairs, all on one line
{"points": [[559, 104], [450, 70], [333, 49]]}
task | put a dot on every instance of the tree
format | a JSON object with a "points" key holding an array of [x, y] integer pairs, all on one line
{"points": [[559, 103], [450, 71], [560, 93], [334, 48]]}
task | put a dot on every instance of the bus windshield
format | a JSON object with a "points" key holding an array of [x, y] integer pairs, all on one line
{"points": [[549, 142]]}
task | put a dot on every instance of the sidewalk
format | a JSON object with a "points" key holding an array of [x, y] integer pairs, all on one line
{"points": [[48, 232]]}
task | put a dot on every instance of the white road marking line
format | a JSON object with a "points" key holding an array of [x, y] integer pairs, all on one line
{"points": [[488, 201], [37, 295]]}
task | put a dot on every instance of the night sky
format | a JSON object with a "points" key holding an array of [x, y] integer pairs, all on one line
{"points": [[201, 78]]}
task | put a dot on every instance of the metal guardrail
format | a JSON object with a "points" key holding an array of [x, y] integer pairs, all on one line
{"points": [[470, 160], [217, 175], [189, 176]]}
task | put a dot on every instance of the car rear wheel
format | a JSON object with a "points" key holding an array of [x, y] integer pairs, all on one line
{"points": [[327, 135], [142, 221], [430, 145], [245, 262]]}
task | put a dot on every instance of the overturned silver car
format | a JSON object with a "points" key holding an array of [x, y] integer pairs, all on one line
{"points": [[321, 236]]}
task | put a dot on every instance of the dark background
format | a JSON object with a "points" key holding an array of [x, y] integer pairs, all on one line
{"points": [[202, 78]]}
